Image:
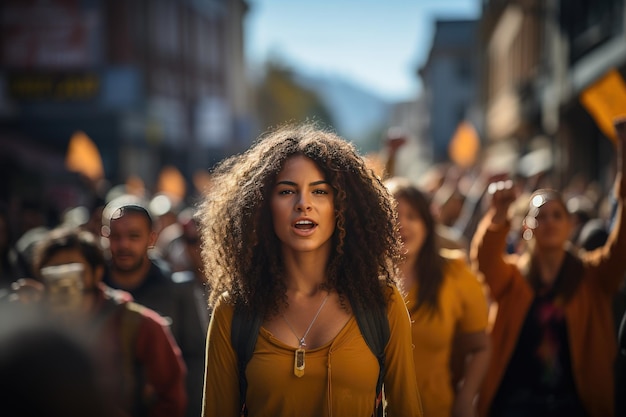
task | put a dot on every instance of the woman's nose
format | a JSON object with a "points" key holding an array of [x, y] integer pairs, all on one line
{"points": [[303, 203]]}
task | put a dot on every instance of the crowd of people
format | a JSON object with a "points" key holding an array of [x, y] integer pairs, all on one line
{"points": [[141, 318], [306, 282]]}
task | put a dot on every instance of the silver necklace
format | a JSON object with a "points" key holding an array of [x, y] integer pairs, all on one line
{"points": [[298, 360]]}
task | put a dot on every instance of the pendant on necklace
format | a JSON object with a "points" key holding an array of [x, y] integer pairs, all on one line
{"points": [[298, 358], [298, 362]]}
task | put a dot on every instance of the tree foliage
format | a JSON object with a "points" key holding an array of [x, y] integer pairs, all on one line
{"points": [[280, 100]]}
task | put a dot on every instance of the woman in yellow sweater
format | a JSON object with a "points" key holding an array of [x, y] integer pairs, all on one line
{"points": [[448, 309], [298, 231]]}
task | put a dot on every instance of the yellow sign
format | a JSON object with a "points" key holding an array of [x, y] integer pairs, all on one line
{"points": [[61, 87], [605, 100]]}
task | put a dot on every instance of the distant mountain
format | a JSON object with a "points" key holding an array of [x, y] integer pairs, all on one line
{"points": [[357, 112]]}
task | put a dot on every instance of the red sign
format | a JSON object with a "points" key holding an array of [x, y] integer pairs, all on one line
{"points": [[54, 34]]}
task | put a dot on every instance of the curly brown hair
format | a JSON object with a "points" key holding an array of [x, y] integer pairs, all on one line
{"points": [[240, 250]]}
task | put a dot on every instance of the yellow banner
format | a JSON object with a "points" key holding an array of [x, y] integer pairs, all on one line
{"points": [[605, 100]]}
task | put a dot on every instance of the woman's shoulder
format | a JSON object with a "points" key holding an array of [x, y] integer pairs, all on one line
{"points": [[395, 299], [224, 307]]}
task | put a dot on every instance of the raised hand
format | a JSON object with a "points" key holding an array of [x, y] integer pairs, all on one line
{"points": [[502, 196]]}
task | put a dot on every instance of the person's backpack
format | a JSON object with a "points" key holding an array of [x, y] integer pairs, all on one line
{"points": [[245, 328]]}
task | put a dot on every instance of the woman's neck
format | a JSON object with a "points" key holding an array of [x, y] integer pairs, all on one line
{"points": [[304, 274]]}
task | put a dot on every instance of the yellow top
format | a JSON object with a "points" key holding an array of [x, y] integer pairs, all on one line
{"points": [[340, 377], [462, 306]]}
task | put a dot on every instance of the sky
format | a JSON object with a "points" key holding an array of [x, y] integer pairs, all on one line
{"points": [[375, 44]]}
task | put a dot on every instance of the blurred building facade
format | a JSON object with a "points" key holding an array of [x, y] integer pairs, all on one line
{"points": [[151, 82], [411, 117], [450, 82], [539, 56]]}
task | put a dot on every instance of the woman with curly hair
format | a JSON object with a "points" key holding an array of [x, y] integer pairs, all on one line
{"points": [[301, 233], [448, 309]]}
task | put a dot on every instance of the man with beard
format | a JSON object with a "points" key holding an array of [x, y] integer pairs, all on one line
{"points": [[138, 366], [131, 235]]}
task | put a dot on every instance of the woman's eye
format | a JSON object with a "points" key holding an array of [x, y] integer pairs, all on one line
{"points": [[285, 192], [320, 192]]}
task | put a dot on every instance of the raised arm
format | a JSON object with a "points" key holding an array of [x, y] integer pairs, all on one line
{"points": [[489, 242], [609, 261]]}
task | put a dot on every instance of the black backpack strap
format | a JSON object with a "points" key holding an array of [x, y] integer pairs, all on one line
{"points": [[244, 332], [374, 327]]}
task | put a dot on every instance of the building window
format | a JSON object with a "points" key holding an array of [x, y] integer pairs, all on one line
{"points": [[589, 24]]}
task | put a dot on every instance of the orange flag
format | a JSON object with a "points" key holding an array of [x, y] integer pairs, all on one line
{"points": [[172, 182], [464, 145], [83, 157], [605, 100]]}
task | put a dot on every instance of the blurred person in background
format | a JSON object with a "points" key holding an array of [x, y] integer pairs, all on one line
{"points": [[131, 236], [447, 307], [22, 252], [94, 222], [30, 220], [190, 273], [553, 339], [441, 185], [592, 235], [581, 208], [47, 372], [589, 229], [167, 227], [176, 252], [139, 365], [446, 204]]}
